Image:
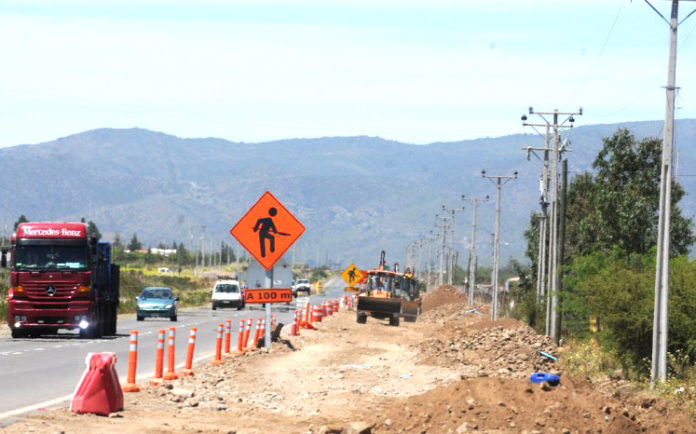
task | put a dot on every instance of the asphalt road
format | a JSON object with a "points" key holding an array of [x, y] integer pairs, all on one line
{"points": [[44, 372]]}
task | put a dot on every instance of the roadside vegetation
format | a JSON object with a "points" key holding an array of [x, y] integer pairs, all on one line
{"points": [[608, 274]]}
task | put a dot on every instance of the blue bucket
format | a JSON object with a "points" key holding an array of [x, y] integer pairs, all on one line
{"points": [[540, 377]]}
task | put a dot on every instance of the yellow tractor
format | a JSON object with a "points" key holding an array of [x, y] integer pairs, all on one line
{"points": [[389, 295]]}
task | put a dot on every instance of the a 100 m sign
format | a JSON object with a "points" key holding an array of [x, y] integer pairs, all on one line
{"points": [[268, 295]]}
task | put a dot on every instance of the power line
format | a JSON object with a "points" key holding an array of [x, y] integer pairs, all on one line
{"points": [[599, 55]]}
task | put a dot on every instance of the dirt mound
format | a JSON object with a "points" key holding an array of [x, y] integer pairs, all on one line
{"points": [[502, 405], [442, 295]]}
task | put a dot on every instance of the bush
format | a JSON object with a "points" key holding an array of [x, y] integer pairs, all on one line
{"points": [[619, 290]]}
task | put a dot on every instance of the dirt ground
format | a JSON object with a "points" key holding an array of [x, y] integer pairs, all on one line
{"points": [[453, 371]]}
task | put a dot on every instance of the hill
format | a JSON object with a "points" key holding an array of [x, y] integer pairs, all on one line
{"points": [[355, 195]]}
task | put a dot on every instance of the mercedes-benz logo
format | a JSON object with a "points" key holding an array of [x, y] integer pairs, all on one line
{"points": [[51, 290]]}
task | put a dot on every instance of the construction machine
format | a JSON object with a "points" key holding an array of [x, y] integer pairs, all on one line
{"points": [[389, 294]]}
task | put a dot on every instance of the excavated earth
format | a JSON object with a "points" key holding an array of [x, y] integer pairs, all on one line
{"points": [[453, 371]]}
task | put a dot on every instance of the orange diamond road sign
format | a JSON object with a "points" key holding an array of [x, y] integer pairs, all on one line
{"points": [[267, 230], [352, 275]]}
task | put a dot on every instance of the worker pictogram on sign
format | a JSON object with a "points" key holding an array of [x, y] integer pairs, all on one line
{"points": [[267, 230], [352, 275]]}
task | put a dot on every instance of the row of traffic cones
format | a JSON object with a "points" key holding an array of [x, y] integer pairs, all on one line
{"points": [[160, 376], [309, 315], [304, 318]]}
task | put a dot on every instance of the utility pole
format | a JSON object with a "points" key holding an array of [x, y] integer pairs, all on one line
{"points": [[419, 273], [543, 217], [443, 236], [658, 369], [430, 240], [203, 246], [496, 243], [472, 250], [450, 262], [552, 317]]}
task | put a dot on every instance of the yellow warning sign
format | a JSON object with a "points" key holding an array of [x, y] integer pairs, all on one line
{"points": [[352, 275]]}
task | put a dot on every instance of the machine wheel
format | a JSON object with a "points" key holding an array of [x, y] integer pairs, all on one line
{"points": [[214, 306], [394, 320], [361, 318]]}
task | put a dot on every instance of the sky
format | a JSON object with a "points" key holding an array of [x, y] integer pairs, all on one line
{"points": [[261, 70]]}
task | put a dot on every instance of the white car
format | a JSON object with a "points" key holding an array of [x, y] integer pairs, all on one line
{"points": [[227, 293], [301, 285]]}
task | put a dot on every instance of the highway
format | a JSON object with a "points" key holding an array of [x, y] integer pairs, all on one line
{"points": [[43, 372]]}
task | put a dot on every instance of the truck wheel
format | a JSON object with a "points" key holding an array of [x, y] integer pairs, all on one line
{"points": [[114, 320], [173, 318], [18, 333], [214, 306], [361, 318], [240, 307], [90, 332], [139, 318], [394, 320]]}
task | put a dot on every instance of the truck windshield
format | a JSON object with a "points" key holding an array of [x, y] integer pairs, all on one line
{"points": [[34, 258], [227, 288]]}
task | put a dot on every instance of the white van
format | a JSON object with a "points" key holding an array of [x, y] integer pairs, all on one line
{"points": [[227, 293]]}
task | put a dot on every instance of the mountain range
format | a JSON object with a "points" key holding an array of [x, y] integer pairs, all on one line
{"points": [[355, 195]]}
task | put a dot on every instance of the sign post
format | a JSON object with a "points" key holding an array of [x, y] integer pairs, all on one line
{"points": [[267, 231], [267, 329]]}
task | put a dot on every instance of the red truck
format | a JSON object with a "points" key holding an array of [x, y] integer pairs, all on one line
{"points": [[61, 278]]}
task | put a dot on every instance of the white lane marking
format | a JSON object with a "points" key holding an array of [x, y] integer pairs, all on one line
{"points": [[38, 349]]}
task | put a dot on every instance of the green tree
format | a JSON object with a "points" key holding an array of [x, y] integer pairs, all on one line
{"points": [[134, 244], [619, 205]]}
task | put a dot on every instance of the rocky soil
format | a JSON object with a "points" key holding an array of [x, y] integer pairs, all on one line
{"points": [[453, 371]]}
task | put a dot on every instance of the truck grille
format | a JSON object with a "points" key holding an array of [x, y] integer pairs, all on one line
{"points": [[37, 290], [52, 306]]}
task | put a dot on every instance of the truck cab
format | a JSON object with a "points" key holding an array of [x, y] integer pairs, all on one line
{"points": [[60, 278]]}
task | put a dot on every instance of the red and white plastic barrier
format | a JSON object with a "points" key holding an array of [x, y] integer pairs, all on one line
{"points": [[98, 391]]}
